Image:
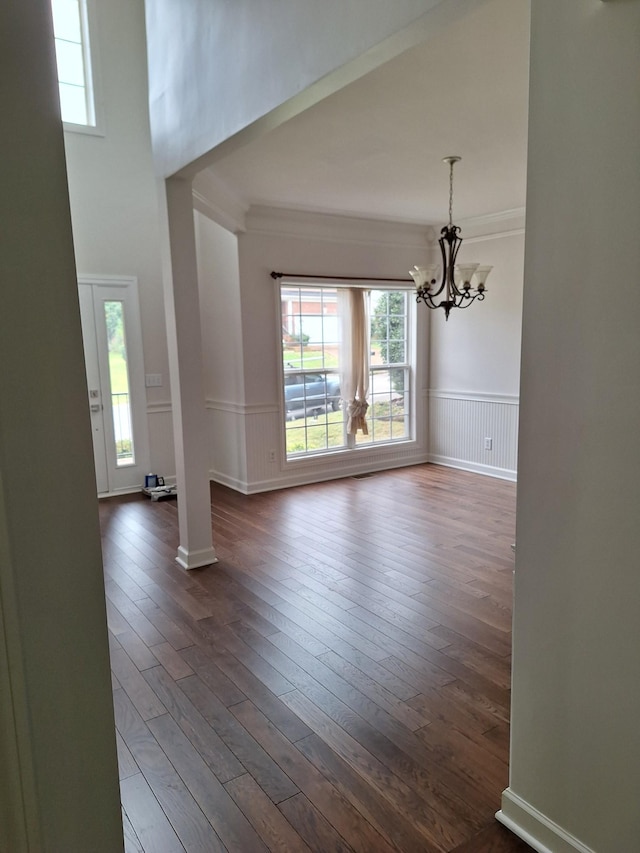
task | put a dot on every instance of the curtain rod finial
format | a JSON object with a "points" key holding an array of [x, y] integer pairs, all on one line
{"points": [[276, 274]]}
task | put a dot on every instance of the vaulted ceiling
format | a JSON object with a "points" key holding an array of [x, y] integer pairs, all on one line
{"points": [[375, 147]]}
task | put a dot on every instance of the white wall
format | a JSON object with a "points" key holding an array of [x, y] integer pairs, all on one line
{"points": [[575, 756], [475, 361], [207, 86], [222, 348], [114, 196], [478, 348], [58, 770]]}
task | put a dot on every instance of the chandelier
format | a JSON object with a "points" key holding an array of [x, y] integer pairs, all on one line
{"points": [[456, 282]]}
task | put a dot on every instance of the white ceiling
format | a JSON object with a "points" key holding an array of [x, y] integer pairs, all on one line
{"points": [[375, 148]]}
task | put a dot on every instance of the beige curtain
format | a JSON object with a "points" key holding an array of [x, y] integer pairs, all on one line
{"points": [[354, 356]]}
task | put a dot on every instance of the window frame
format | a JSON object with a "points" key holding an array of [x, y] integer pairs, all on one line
{"points": [[92, 87], [410, 366]]}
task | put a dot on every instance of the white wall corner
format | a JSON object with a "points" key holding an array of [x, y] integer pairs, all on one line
{"points": [[534, 828], [217, 202]]}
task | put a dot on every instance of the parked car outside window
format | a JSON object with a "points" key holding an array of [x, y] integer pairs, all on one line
{"points": [[311, 394]]}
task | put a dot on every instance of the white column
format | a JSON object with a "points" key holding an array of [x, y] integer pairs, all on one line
{"points": [[182, 307], [58, 769]]}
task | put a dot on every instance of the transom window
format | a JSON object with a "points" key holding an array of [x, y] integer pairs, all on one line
{"points": [[74, 66], [317, 332]]}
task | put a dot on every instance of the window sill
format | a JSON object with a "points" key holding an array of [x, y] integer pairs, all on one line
{"points": [[85, 129], [388, 448]]}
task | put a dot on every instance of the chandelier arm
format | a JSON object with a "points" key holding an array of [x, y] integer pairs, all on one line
{"points": [[431, 303], [471, 299], [464, 300]]}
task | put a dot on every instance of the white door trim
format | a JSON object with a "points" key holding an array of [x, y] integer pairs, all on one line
{"points": [[124, 479]]}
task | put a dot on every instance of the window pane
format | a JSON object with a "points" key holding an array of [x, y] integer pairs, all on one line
{"points": [[309, 327], [66, 20], [72, 57], [388, 394], [73, 104], [314, 418], [119, 380], [389, 327], [388, 415], [70, 62]]}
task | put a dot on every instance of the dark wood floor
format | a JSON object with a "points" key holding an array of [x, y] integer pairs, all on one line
{"points": [[339, 681]]}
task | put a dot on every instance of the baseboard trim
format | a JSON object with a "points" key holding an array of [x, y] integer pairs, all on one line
{"points": [[230, 482], [195, 559], [540, 833], [474, 467], [127, 490], [307, 476]]}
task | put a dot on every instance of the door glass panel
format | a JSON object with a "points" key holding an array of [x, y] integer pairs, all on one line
{"points": [[119, 381]]}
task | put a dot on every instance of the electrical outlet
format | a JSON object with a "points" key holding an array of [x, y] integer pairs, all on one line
{"points": [[272, 456], [488, 444]]}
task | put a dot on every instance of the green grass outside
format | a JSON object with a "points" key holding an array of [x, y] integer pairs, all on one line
{"points": [[118, 373], [388, 424], [308, 358]]}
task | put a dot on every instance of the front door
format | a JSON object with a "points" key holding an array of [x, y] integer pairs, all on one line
{"points": [[115, 380]]}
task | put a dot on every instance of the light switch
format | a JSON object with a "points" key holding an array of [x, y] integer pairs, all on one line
{"points": [[153, 380]]}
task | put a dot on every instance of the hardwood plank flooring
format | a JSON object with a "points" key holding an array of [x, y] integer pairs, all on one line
{"points": [[338, 681]]}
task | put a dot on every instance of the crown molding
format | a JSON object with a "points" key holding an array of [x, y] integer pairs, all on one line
{"points": [[331, 227], [493, 225], [216, 201]]}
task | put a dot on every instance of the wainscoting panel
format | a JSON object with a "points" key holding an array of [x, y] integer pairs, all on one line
{"points": [[227, 453], [459, 423]]}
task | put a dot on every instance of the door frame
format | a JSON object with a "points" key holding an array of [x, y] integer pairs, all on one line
{"points": [[125, 479]]}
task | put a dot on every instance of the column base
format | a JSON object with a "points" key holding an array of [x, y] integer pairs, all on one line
{"points": [[195, 559]]}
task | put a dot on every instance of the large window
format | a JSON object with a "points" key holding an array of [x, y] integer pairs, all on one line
{"points": [[74, 66], [315, 336]]}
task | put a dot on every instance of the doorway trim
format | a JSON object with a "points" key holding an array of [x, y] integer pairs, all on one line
{"points": [[138, 396]]}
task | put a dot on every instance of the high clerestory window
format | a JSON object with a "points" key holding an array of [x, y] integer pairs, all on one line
{"points": [[318, 328], [75, 78]]}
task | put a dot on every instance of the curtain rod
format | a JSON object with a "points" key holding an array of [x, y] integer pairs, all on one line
{"points": [[337, 277]]}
